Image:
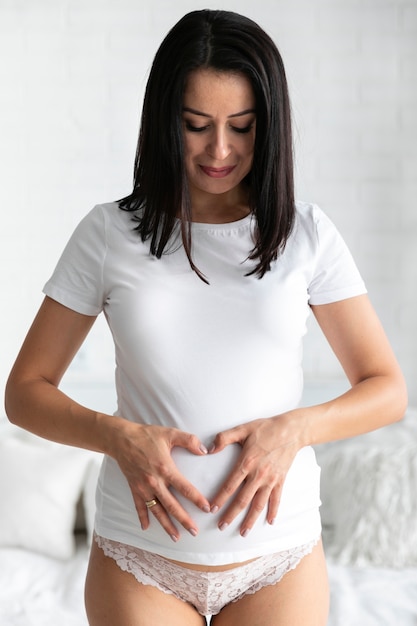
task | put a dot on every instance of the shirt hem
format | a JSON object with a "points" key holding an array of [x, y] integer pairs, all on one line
{"points": [[219, 558]]}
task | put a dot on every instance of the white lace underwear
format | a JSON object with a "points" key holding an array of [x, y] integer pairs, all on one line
{"points": [[209, 591]]}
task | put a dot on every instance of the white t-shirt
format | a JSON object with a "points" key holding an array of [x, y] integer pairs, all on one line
{"points": [[204, 358]]}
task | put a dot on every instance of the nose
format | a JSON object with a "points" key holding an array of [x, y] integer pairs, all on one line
{"points": [[219, 147]]}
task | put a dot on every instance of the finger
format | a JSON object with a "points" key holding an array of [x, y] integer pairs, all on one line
{"points": [[188, 441], [167, 510], [230, 486], [170, 476], [190, 492], [273, 504], [257, 502], [257, 506], [143, 514], [160, 514], [140, 498], [238, 434], [241, 502]]}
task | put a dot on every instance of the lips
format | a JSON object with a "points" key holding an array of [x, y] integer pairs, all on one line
{"points": [[217, 172]]}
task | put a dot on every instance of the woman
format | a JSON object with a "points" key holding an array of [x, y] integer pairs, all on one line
{"points": [[208, 498]]}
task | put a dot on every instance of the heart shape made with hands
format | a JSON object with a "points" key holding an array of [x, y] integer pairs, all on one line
{"points": [[207, 472]]}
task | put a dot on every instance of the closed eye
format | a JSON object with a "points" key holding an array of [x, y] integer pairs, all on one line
{"points": [[200, 129], [194, 129], [246, 129]]}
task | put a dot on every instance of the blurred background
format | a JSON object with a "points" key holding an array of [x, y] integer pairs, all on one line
{"points": [[73, 73]]}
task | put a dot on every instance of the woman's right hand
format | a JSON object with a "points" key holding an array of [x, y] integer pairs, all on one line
{"points": [[33, 401], [143, 454]]}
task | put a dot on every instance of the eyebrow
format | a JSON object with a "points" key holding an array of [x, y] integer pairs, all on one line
{"points": [[195, 112]]}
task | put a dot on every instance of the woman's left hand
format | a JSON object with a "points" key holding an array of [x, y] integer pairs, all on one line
{"points": [[269, 447]]}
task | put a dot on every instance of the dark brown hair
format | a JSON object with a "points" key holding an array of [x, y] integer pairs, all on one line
{"points": [[227, 42]]}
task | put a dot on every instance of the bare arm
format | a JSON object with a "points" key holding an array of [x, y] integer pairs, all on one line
{"points": [[32, 399], [34, 402], [378, 397]]}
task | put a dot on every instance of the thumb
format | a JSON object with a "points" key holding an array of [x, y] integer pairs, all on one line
{"points": [[234, 435], [189, 442]]}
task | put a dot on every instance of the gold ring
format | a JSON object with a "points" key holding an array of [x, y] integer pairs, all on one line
{"points": [[151, 503]]}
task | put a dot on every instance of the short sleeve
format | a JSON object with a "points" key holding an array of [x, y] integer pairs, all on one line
{"points": [[77, 281], [335, 276]]}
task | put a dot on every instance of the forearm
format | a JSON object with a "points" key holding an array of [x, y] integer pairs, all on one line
{"points": [[368, 405], [378, 395], [41, 408]]}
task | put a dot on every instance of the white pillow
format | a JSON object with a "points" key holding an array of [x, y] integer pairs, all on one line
{"points": [[369, 494], [40, 484]]}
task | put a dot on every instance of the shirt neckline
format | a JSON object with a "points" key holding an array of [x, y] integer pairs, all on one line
{"points": [[226, 226]]}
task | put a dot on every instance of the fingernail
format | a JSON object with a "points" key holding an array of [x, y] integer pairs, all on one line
{"points": [[214, 509], [272, 521], [192, 532], [203, 449], [174, 538], [223, 526], [206, 508], [212, 448], [245, 533]]}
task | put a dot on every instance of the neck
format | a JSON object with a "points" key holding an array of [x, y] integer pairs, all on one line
{"points": [[220, 209]]}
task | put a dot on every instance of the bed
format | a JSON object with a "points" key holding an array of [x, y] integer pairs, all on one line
{"points": [[369, 511]]}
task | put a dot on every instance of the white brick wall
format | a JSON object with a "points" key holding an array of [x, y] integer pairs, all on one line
{"points": [[72, 74]]}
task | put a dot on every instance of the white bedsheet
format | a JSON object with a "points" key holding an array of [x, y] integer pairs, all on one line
{"points": [[36, 590], [39, 591], [372, 596]]}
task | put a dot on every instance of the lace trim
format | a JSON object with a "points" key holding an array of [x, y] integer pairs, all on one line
{"points": [[209, 591]]}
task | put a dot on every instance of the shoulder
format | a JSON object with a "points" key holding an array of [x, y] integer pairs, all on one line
{"points": [[308, 215], [313, 225], [109, 213], [333, 274], [305, 230], [108, 221]]}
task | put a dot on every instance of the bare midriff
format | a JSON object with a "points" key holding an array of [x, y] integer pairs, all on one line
{"points": [[210, 568]]}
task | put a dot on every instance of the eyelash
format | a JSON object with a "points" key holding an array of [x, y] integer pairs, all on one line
{"points": [[200, 129]]}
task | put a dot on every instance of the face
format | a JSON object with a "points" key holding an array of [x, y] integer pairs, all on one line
{"points": [[219, 132]]}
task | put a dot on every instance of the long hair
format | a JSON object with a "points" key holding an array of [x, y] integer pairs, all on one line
{"points": [[228, 42]]}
